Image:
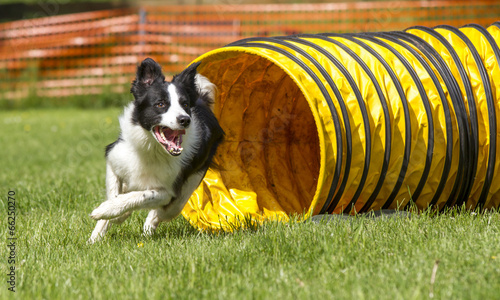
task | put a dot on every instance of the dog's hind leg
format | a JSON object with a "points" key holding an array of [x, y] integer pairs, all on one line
{"points": [[155, 217], [171, 210], [152, 221], [162, 214]]}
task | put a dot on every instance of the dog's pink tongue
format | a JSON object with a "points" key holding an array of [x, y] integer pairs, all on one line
{"points": [[172, 134], [170, 139]]}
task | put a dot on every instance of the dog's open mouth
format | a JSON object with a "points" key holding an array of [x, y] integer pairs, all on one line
{"points": [[170, 139]]}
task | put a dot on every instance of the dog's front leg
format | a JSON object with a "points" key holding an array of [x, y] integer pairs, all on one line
{"points": [[123, 203], [100, 230], [103, 226], [113, 188]]}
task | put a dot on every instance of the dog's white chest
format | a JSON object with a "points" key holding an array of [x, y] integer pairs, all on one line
{"points": [[141, 173], [152, 177]]}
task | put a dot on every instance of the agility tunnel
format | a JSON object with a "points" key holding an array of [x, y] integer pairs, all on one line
{"points": [[349, 123]]}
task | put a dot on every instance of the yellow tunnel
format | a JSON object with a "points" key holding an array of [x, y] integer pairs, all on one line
{"points": [[346, 123]]}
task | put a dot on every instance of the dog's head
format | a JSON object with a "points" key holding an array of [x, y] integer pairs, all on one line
{"points": [[164, 108]]}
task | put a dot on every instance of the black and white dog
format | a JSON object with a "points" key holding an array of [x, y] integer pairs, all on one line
{"points": [[168, 138]]}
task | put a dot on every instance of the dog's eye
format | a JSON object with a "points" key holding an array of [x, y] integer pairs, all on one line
{"points": [[185, 105], [160, 105]]}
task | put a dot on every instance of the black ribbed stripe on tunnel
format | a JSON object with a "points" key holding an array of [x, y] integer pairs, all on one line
{"points": [[493, 129], [491, 111], [345, 117], [425, 102], [363, 112], [404, 102], [444, 102], [383, 101], [464, 164], [338, 133], [471, 120]]}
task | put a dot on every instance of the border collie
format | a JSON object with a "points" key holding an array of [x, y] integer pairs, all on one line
{"points": [[168, 138]]}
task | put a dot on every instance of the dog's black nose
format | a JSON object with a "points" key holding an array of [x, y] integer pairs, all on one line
{"points": [[184, 121]]}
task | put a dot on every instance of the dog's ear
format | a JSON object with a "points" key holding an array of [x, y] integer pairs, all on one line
{"points": [[147, 73], [186, 79]]}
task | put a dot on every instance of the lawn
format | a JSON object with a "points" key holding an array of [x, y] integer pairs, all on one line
{"points": [[53, 159]]}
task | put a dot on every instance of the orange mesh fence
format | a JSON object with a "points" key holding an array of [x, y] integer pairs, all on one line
{"points": [[94, 52]]}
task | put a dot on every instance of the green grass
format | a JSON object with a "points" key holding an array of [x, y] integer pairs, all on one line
{"points": [[107, 99], [53, 159]]}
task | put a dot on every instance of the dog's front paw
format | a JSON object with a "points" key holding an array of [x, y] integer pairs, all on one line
{"points": [[107, 210], [94, 238]]}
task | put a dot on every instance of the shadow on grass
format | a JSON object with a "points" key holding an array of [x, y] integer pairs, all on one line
{"points": [[180, 229]]}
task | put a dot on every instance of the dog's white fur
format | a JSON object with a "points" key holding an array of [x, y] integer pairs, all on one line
{"points": [[169, 119], [205, 86], [140, 174]]}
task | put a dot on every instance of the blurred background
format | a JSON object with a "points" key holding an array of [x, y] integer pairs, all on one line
{"points": [[84, 53]]}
